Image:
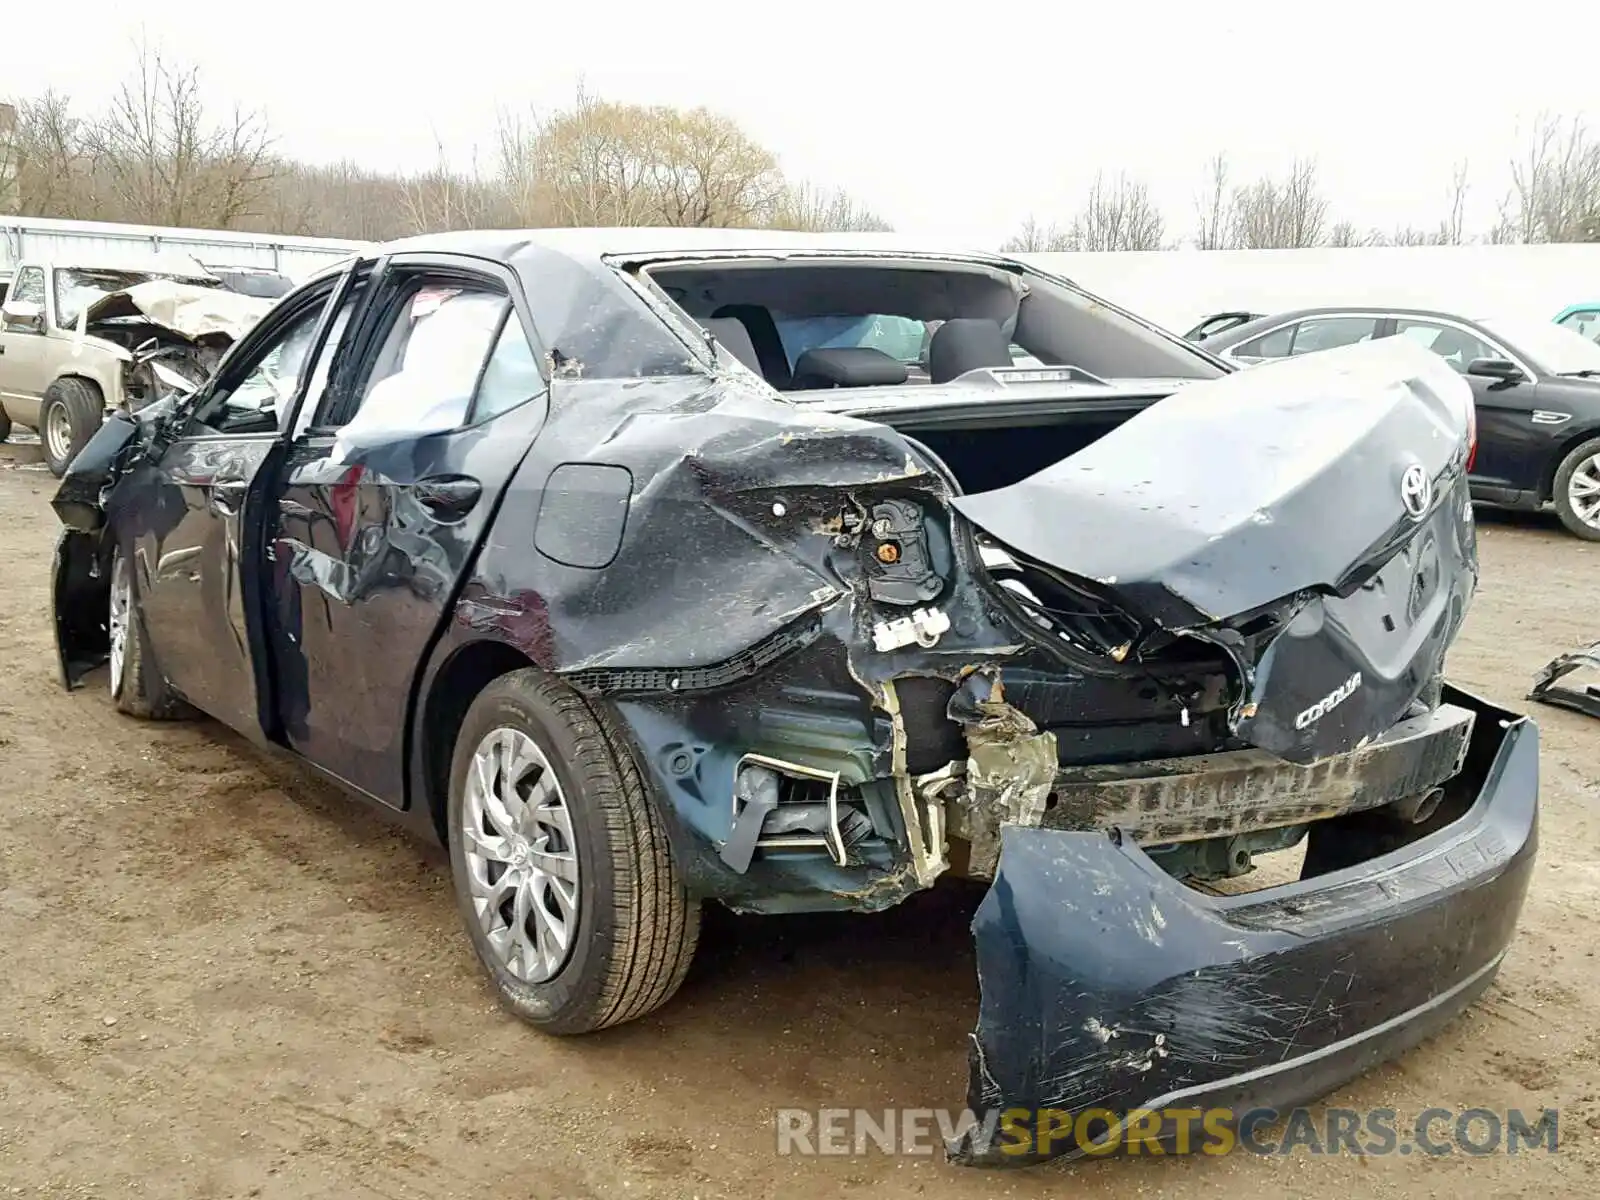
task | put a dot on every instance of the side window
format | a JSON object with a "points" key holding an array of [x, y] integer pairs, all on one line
{"points": [[1456, 346], [259, 402], [452, 352], [1327, 333], [1269, 345], [511, 376], [28, 285], [1585, 321]]}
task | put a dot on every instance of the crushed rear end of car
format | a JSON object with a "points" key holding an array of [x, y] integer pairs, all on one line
{"points": [[1124, 1009], [1125, 980], [1106, 688]]}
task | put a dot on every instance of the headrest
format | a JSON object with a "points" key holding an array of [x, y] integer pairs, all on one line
{"points": [[847, 366], [735, 338], [965, 344]]}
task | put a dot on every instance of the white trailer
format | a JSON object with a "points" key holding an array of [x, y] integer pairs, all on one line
{"points": [[37, 239]]}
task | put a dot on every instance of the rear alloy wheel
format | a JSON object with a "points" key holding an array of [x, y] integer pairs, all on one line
{"points": [[71, 413], [137, 687], [1577, 491], [562, 871]]}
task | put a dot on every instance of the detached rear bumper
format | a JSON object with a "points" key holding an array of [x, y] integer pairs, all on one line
{"points": [[1111, 989]]}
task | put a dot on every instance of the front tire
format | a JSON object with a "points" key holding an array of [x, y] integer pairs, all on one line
{"points": [[1576, 491], [137, 687], [71, 412], [562, 869], [5, 425]]}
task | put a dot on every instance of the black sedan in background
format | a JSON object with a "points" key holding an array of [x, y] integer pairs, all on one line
{"points": [[1536, 384]]}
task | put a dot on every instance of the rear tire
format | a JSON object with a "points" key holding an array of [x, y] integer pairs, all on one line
{"points": [[137, 687], [72, 411], [1576, 492], [5, 425], [551, 828]]}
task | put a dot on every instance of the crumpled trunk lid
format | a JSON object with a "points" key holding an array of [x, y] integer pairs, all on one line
{"points": [[1310, 516]]}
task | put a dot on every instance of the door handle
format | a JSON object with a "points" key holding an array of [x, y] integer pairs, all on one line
{"points": [[448, 497]]}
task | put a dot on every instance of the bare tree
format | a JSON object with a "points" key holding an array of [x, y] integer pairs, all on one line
{"points": [[807, 207], [1117, 215], [42, 157], [1555, 185], [442, 198], [1034, 238], [166, 160], [1452, 230], [1272, 214], [1214, 207], [708, 171], [1347, 234], [604, 163]]}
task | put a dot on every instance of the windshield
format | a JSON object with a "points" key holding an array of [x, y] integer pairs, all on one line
{"points": [[77, 288], [1553, 348]]}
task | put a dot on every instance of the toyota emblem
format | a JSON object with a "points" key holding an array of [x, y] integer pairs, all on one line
{"points": [[1416, 491]]}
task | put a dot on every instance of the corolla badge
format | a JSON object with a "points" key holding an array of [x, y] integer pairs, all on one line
{"points": [[1329, 702], [1416, 491]]}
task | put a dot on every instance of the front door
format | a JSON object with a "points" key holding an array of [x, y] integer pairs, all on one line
{"points": [[195, 544], [1583, 321], [25, 368], [1507, 457], [381, 502]]}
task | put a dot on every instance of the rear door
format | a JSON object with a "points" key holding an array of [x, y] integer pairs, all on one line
{"points": [[382, 499], [194, 532]]}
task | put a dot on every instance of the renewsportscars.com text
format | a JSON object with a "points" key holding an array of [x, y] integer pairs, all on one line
{"points": [[1100, 1132]]}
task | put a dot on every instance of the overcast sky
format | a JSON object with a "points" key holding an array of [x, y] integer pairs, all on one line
{"points": [[955, 120]]}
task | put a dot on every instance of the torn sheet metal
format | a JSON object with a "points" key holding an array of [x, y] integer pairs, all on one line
{"points": [[1214, 534], [1578, 696], [1109, 988], [1335, 635], [189, 310]]}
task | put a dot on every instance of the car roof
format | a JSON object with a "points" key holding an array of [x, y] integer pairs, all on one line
{"points": [[593, 244], [1243, 333]]}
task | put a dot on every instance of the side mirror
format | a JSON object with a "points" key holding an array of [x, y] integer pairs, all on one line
{"points": [[27, 313], [1495, 368]]}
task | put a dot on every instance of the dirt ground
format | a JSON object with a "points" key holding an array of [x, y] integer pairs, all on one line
{"points": [[222, 979]]}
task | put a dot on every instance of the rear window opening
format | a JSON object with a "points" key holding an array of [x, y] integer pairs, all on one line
{"points": [[821, 322]]}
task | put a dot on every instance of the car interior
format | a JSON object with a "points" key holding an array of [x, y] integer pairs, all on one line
{"points": [[807, 325]]}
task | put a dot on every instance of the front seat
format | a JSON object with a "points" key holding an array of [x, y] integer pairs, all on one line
{"points": [[966, 344]]}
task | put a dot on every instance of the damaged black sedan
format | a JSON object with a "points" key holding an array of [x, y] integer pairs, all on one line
{"points": [[645, 568]]}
